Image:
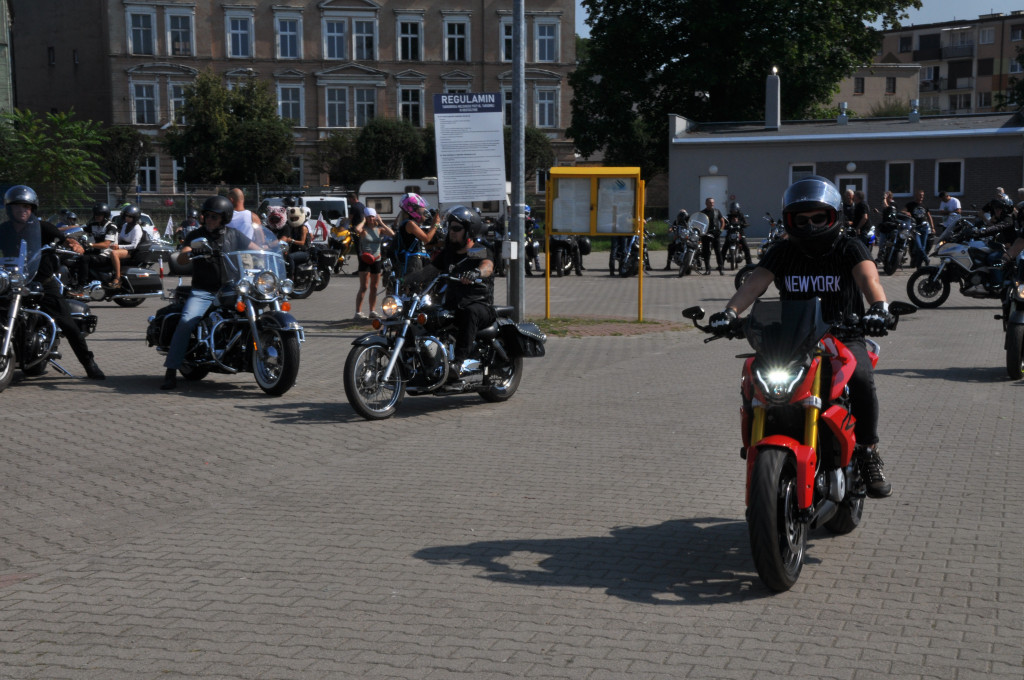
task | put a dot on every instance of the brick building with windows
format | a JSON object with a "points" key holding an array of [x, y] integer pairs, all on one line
{"points": [[334, 64]]}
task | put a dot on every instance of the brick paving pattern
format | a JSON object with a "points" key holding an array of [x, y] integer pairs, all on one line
{"points": [[591, 527]]}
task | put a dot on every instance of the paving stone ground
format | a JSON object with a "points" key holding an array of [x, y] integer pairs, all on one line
{"points": [[591, 527]]}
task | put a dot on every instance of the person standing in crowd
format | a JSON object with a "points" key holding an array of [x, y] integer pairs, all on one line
{"points": [[923, 239], [22, 204], [243, 220], [370, 232], [849, 206], [356, 211], [862, 218], [710, 240], [949, 206], [888, 221], [737, 218]]}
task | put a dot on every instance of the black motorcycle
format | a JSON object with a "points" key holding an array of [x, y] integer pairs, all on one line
{"points": [[731, 246], [566, 255], [1013, 318], [140, 274], [686, 238], [309, 269], [776, 232], [899, 230], [29, 337], [249, 329], [411, 352], [631, 257]]}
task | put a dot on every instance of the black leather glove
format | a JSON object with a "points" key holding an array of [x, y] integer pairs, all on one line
{"points": [[878, 320], [469, 277], [722, 322]]}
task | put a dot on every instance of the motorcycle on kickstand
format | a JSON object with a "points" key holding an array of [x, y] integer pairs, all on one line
{"points": [[797, 429], [975, 264], [629, 264], [731, 244], [895, 251], [29, 337], [687, 241], [248, 329], [411, 351]]}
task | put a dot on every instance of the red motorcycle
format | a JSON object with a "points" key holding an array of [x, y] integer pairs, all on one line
{"points": [[800, 475]]}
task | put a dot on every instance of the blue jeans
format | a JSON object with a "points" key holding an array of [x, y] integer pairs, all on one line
{"points": [[195, 307], [921, 246]]}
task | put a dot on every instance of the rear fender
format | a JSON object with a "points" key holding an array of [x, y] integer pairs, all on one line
{"points": [[805, 457]]}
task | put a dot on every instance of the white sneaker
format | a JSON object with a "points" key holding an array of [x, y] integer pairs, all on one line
{"points": [[359, 316], [374, 315]]}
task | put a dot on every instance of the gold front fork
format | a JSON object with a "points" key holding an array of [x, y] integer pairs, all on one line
{"points": [[812, 412]]}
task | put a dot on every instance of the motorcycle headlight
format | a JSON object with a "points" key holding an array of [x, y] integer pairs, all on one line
{"points": [[243, 288], [391, 306], [904, 233], [1018, 292], [779, 383], [287, 287], [5, 282], [266, 283]]}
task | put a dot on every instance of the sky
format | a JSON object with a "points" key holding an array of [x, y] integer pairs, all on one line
{"points": [[932, 11]]}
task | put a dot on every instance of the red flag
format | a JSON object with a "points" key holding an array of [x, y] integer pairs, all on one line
{"points": [[320, 229]]}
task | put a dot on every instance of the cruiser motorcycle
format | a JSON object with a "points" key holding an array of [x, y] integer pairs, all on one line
{"points": [[29, 337], [411, 350], [687, 239], [629, 262], [895, 251], [141, 274], [248, 329], [965, 259], [797, 429]]}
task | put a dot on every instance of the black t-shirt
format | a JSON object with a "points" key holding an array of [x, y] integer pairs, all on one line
{"points": [[356, 214], [459, 294], [830, 277], [208, 272], [860, 211]]}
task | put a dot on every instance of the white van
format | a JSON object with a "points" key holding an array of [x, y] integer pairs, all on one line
{"points": [[383, 195]]}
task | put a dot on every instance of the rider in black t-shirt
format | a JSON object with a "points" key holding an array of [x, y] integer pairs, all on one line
{"points": [[818, 261]]}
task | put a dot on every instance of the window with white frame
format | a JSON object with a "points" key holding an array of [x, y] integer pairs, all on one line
{"points": [[456, 39], [986, 36], [142, 31], [296, 176], [906, 43], [546, 41], [238, 25], [929, 73], [289, 102], [365, 105], [410, 43], [506, 98], [858, 85], [949, 176], [1015, 66], [334, 38], [890, 85], [799, 171], [960, 102], [176, 98], [144, 102], [984, 100], [1017, 32], [930, 103], [546, 115], [337, 106], [410, 106], [177, 176], [289, 36], [148, 174], [505, 35], [364, 35], [899, 177], [179, 34]]}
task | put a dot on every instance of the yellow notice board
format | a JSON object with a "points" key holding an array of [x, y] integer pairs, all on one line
{"points": [[598, 202], [594, 201]]}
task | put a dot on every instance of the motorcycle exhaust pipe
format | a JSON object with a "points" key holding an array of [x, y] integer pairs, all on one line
{"points": [[824, 513]]}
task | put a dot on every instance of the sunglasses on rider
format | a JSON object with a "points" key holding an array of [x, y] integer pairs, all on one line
{"points": [[456, 227], [818, 219]]}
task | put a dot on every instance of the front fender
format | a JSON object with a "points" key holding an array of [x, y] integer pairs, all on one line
{"points": [[370, 339], [1016, 315], [281, 320], [805, 456]]}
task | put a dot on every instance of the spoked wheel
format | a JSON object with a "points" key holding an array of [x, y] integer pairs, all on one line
{"points": [[926, 289], [7, 368], [1015, 351], [778, 539], [504, 381], [303, 288], [369, 394], [276, 364], [323, 279]]}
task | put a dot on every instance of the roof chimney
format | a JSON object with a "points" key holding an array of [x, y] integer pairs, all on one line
{"points": [[915, 115], [843, 119], [772, 101]]}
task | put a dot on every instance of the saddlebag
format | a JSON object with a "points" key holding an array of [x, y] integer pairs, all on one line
{"points": [[161, 328], [523, 339]]}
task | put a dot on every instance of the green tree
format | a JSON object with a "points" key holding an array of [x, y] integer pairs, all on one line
{"points": [[337, 156], [537, 152], [122, 154], [708, 60], [54, 154], [387, 146], [232, 136]]}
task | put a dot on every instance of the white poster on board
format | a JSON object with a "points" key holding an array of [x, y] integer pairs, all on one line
{"points": [[469, 136]]}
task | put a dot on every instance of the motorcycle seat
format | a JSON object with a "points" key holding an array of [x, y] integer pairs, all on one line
{"points": [[504, 311], [488, 333]]}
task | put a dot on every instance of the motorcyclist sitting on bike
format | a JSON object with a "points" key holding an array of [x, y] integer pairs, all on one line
{"points": [[130, 235], [679, 223], [471, 298], [21, 204], [818, 261], [207, 275], [737, 218], [104, 242], [529, 229]]}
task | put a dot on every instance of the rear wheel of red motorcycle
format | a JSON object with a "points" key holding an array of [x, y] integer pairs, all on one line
{"points": [[778, 539], [1015, 351], [848, 516], [504, 381]]}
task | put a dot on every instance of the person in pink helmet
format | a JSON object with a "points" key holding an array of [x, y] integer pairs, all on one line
{"points": [[412, 237]]}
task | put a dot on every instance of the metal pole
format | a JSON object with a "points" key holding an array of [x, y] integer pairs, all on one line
{"points": [[516, 273]]}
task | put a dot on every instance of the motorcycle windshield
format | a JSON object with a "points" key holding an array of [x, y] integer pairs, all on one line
{"points": [[242, 264], [21, 251], [782, 331], [699, 222]]}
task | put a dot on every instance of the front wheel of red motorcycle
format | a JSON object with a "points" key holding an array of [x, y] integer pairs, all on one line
{"points": [[778, 538]]}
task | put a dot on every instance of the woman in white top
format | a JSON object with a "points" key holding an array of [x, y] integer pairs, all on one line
{"points": [[370, 234]]}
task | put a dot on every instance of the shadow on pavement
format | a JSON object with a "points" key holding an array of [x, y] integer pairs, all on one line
{"points": [[959, 374], [695, 561]]}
